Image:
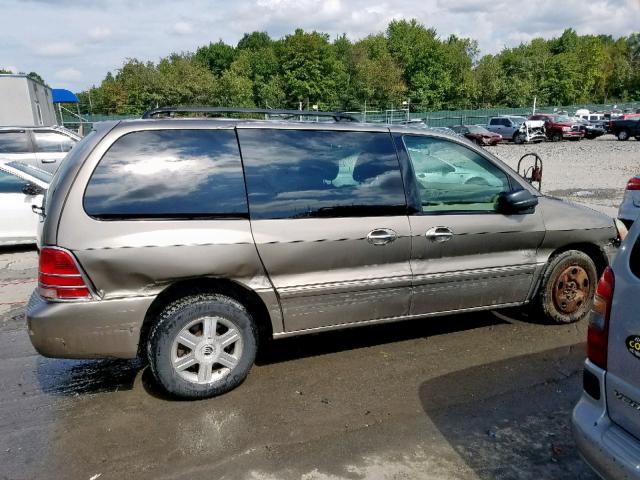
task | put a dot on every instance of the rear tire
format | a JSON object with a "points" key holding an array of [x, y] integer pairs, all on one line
{"points": [[567, 288], [202, 346]]}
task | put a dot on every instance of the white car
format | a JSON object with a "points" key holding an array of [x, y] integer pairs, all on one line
{"points": [[41, 147], [21, 186]]}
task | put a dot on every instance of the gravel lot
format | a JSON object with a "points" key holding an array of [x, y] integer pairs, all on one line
{"points": [[593, 172]]}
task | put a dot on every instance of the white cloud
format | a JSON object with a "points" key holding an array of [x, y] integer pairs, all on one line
{"points": [[142, 25], [68, 73], [98, 34], [182, 28], [57, 49]]}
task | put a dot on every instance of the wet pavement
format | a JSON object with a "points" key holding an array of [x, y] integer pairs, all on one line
{"points": [[482, 396]]}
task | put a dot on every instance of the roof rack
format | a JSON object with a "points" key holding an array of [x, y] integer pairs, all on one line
{"points": [[168, 111]]}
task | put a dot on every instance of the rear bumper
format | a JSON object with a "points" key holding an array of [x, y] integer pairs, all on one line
{"points": [[609, 450], [94, 329]]}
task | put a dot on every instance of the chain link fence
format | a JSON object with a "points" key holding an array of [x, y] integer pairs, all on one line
{"points": [[447, 118], [439, 118]]}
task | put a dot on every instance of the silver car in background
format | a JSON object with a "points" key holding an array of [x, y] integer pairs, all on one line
{"points": [[606, 420], [41, 147]]}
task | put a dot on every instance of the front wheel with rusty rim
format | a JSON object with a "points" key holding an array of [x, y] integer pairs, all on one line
{"points": [[202, 345], [567, 288]]}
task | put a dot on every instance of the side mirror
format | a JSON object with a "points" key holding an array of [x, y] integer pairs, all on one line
{"points": [[518, 202], [31, 189]]}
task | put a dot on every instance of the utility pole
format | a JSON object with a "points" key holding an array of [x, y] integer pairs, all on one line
{"points": [[90, 104], [534, 105]]}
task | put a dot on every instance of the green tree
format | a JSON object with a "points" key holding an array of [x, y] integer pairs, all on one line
{"points": [[184, 82], [217, 57], [235, 87], [309, 68], [255, 41]]}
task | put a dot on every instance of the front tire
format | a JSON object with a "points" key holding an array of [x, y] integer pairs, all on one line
{"points": [[202, 346], [567, 288], [623, 135]]}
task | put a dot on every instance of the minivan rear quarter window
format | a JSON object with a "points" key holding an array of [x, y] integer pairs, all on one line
{"points": [[311, 173], [169, 174]]}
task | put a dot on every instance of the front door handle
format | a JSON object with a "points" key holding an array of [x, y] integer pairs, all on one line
{"points": [[439, 234], [48, 160], [381, 236]]}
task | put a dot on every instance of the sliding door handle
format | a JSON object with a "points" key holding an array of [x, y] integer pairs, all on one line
{"points": [[439, 234]]}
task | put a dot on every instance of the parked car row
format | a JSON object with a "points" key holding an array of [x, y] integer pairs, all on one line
{"points": [[562, 127]]}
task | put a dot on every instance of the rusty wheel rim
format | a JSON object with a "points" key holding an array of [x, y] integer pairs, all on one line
{"points": [[571, 289]]}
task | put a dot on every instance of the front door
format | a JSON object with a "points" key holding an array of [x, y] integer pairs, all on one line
{"points": [[19, 223], [465, 254], [328, 215]]}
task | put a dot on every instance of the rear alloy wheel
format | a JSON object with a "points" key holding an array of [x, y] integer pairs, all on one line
{"points": [[202, 346], [623, 135], [568, 286]]}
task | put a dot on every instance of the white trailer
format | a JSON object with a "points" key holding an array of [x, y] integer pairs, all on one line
{"points": [[25, 102]]}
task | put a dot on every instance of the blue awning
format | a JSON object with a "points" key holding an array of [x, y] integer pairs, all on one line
{"points": [[61, 95]]}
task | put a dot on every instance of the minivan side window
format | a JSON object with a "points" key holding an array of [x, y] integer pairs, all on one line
{"points": [[169, 174], [311, 173], [14, 142], [452, 178]]}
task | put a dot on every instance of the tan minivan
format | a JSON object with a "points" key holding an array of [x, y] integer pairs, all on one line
{"points": [[189, 240]]}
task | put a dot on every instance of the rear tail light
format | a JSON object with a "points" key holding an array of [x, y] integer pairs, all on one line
{"points": [[633, 183], [59, 277], [598, 332]]}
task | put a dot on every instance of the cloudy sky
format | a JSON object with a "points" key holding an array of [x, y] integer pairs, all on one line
{"points": [[73, 43]]}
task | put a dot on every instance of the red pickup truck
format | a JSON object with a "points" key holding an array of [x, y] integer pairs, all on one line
{"points": [[559, 126]]}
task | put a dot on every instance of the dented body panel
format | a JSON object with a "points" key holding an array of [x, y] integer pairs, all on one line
{"points": [[311, 274]]}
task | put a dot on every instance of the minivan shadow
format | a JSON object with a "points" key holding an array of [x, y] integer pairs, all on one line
{"points": [[79, 377], [7, 249], [311, 345], [511, 419]]}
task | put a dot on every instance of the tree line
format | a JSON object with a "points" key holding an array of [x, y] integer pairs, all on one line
{"points": [[407, 64]]}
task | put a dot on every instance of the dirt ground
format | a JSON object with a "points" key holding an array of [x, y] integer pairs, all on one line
{"points": [[480, 396]]}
